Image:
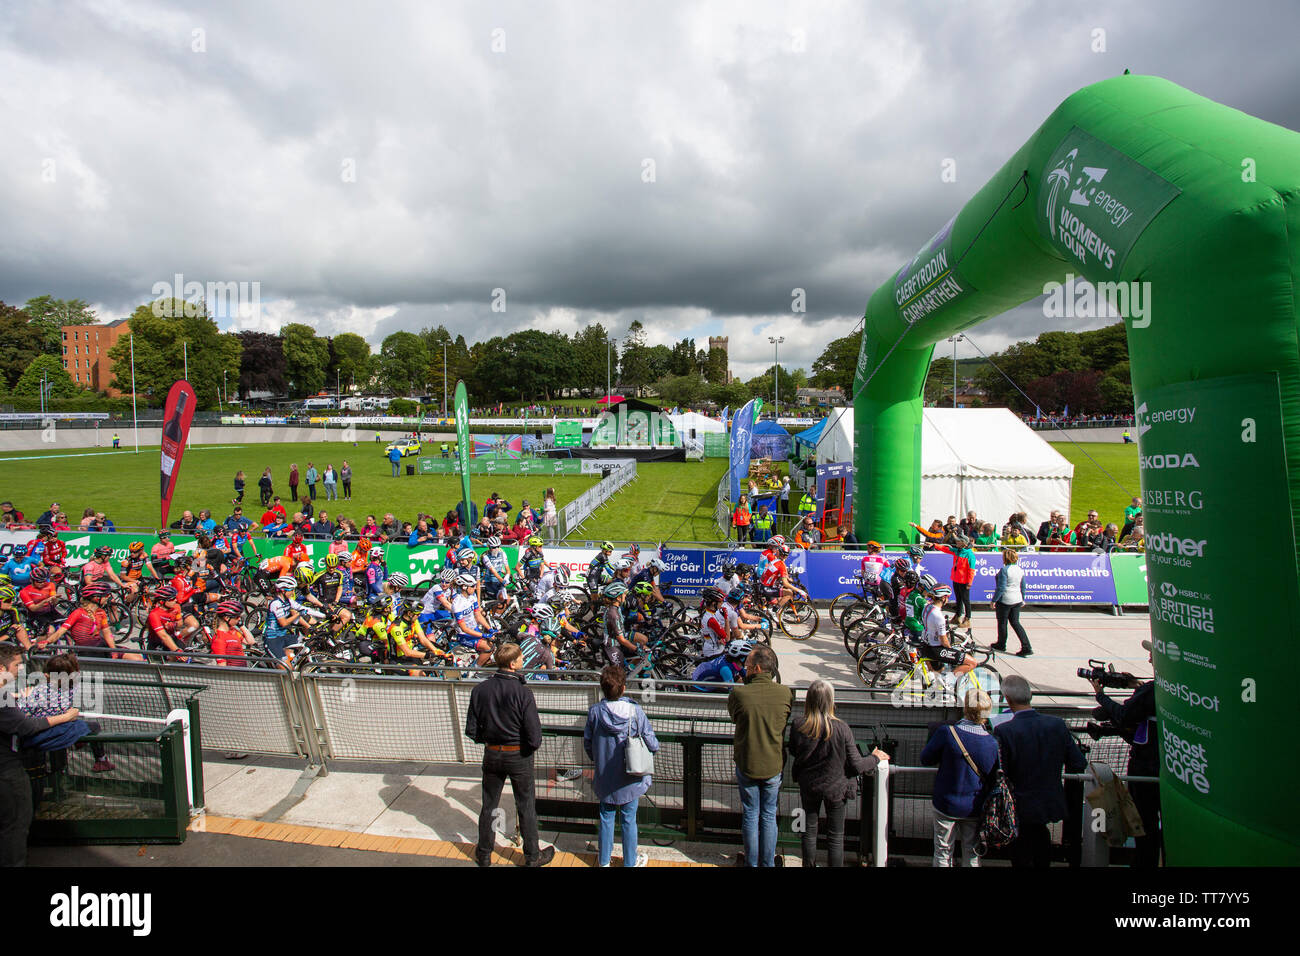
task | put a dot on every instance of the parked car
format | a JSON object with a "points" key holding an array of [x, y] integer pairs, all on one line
{"points": [[407, 446]]}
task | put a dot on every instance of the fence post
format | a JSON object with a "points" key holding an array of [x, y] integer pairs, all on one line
{"points": [[692, 774], [880, 815], [455, 721]]}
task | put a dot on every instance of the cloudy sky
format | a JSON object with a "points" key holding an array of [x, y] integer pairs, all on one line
{"points": [[387, 166]]}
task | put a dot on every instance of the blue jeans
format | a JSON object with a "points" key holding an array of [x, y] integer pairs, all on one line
{"points": [[758, 800], [626, 812]]}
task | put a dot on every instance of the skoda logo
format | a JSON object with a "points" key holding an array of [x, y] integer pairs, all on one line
{"points": [[1168, 590]]}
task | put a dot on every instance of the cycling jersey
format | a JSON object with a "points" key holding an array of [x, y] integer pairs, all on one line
{"points": [[719, 669], [20, 572], [714, 628], [915, 604], [934, 626], [297, 553], [162, 551], [278, 608], [33, 594], [544, 588], [431, 605], [329, 585], [772, 576], [86, 628], [489, 563], [403, 637], [54, 552], [611, 649], [463, 607], [376, 575], [598, 570], [94, 570], [276, 567], [229, 644], [181, 583], [645, 574], [764, 560], [133, 566], [533, 563], [535, 655], [872, 568]]}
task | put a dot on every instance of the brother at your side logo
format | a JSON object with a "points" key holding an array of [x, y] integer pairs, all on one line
{"points": [[76, 909]]}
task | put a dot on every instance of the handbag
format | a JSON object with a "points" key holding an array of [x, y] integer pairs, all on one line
{"points": [[998, 827], [638, 761]]}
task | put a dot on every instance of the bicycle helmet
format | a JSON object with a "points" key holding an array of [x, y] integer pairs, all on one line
{"points": [[466, 580], [744, 569], [332, 560], [785, 550], [910, 579], [183, 560], [493, 542], [305, 574], [466, 554], [399, 580], [20, 551], [728, 565], [915, 552], [297, 537], [286, 583], [231, 609], [620, 564], [137, 545], [164, 533], [39, 575], [655, 565], [634, 549], [643, 588], [561, 575], [447, 576], [942, 591], [7, 593], [103, 551], [534, 541], [607, 547], [928, 583], [376, 552], [777, 540], [165, 593], [738, 650], [736, 594], [614, 590], [411, 611], [93, 591], [901, 565], [873, 547], [542, 613], [339, 534], [712, 595]]}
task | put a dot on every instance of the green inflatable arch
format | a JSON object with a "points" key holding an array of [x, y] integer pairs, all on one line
{"points": [[1156, 192]]}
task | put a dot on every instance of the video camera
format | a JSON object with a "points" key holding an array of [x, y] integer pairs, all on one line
{"points": [[1106, 675]]}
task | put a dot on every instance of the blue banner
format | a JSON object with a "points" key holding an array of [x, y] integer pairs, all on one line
{"points": [[1049, 578], [742, 432]]}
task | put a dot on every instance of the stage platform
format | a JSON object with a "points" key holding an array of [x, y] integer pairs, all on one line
{"points": [[638, 452]]}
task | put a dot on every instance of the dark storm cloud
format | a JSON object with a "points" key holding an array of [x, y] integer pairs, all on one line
{"points": [[388, 169]]}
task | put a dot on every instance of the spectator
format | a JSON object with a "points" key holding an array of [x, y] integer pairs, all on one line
{"points": [[1008, 599], [1087, 531], [988, 536], [15, 786], [610, 723], [523, 528], [503, 718], [807, 535], [1034, 749], [1014, 536], [322, 527], [370, 529], [740, 520], [391, 527], [827, 763], [965, 755], [186, 524], [10, 516], [312, 476], [60, 523], [1020, 523], [760, 709], [422, 534], [785, 495], [87, 519], [236, 521], [934, 535], [308, 509], [293, 482], [331, 482], [549, 516], [1136, 539], [950, 530], [47, 517], [264, 487], [963, 576], [345, 475], [848, 540], [1055, 533], [395, 458], [970, 525], [1108, 540], [239, 488], [1131, 514], [105, 524], [55, 696]]}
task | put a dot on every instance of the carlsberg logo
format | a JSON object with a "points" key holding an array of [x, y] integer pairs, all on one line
{"points": [[1166, 543]]}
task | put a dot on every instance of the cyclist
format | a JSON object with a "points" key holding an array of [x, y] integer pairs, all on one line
{"points": [[637, 606], [360, 556], [649, 573], [338, 543], [891, 584], [54, 555], [598, 571], [633, 553], [436, 603], [38, 598], [871, 568], [336, 584], [725, 668], [269, 570], [494, 569], [776, 580], [297, 551], [916, 602], [161, 553], [19, 567], [937, 645], [376, 572], [229, 636], [404, 636], [467, 614], [10, 626], [536, 639], [617, 645], [305, 575], [739, 620], [771, 553], [282, 615], [88, 626], [563, 605], [532, 563], [715, 626], [135, 564], [168, 624], [914, 554], [552, 582], [729, 577]]}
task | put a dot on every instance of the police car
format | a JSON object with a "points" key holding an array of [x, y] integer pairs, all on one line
{"points": [[407, 446]]}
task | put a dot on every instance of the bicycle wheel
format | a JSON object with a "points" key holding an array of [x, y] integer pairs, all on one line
{"points": [[984, 678], [119, 618], [799, 620], [895, 670], [673, 667], [840, 602], [873, 659]]}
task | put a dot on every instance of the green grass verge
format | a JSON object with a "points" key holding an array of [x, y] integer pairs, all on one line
{"points": [[669, 501], [124, 485], [1093, 488]]}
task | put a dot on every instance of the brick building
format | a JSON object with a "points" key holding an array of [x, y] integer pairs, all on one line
{"points": [[85, 354]]}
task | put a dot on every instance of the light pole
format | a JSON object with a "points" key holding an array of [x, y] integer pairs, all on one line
{"points": [[444, 379], [225, 394], [776, 374], [954, 339], [609, 345]]}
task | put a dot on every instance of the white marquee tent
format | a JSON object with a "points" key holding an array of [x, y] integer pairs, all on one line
{"points": [[984, 460], [687, 422]]}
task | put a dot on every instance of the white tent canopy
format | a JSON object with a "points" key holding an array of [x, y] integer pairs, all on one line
{"points": [[701, 424], [984, 460]]}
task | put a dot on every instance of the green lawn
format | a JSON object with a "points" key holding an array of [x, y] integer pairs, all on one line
{"points": [[668, 501], [124, 485], [1092, 487]]}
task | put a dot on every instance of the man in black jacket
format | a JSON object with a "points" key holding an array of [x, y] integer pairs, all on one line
{"points": [[503, 718], [1135, 719], [1033, 749]]}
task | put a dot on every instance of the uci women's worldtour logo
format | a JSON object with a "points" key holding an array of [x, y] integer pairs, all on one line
{"points": [[1094, 202]]}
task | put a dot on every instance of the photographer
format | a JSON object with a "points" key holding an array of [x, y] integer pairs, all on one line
{"points": [[1135, 721]]}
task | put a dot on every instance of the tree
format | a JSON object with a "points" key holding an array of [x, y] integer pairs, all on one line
{"points": [[20, 342], [539, 362], [659, 358], [50, 315], [838, 363], [761, 386], [403, 362], [164, 332], [349, 356], [734, 394], [46, 367], [1116, 395], [306, 358], [1104, 348], [682, 361], [635, 368], [681, 390], [261, 363], [715, 368], [590, 357], [938, 382]]}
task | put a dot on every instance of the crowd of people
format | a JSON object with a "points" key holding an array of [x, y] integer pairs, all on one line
{"points": [[1052, 534]]}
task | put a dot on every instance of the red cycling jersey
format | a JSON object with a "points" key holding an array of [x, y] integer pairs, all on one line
{"points": [[774, 573], [229, 643], [183, 589], [87, 627], [56, 552], [165, 620]]}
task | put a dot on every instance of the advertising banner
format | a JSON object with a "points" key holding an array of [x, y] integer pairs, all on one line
{"points": [[495, 466], [1130, 573], [178, 412], [462, 450], [742, 433]]}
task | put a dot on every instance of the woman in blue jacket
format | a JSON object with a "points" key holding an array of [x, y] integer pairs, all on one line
{"points": [[965, 754], [609, 724]]}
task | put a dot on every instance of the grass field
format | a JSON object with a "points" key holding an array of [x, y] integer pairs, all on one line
{"points": [[669, 501], [124, 485], [1092, 487]]}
